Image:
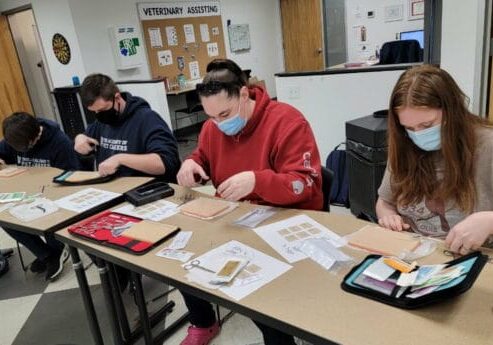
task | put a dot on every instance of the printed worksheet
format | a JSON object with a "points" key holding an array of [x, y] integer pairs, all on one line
{"points": [[260, 270], [155, 37], [85, 199], [287, 234], [155, 211]]}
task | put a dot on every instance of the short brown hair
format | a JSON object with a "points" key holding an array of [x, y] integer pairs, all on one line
{"points": [[19, 130], [95, 86]]}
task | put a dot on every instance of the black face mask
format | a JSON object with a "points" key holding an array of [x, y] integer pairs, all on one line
{"points": [[109, 117]]}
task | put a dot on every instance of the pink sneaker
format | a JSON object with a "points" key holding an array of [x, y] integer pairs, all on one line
{"points": [[200, 336]]}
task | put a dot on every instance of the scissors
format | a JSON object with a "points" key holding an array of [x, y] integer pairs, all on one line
{"points": [[196, 264]]}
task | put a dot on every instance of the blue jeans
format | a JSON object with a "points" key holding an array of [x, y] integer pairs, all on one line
{"points": [[42, 250]]}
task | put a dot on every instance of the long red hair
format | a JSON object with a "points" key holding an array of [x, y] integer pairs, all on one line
{"points": [[413, 171]]}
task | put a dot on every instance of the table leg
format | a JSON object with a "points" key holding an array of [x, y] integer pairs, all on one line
{"points": [[141, 304], [110, 303], [86, 296]]}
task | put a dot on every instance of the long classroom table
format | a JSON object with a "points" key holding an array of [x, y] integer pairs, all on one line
{"points": [[307, 301]]}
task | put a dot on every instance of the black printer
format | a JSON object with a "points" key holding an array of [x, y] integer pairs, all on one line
{"points": [[366, 147]]}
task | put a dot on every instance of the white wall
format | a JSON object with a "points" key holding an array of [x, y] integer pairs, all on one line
{"points": [[377, 30], [264, 58], [328, 101], [52, 17], [85, 24], [462, 45]]}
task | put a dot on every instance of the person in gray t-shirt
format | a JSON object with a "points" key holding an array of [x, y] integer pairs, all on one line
{"points": [[439, 176]]}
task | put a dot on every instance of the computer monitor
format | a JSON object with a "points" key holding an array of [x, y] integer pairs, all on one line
{"points": [[417, 35]]}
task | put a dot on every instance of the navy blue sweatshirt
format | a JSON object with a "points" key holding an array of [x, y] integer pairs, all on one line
{"points": [[140, 131], [53, 149]]}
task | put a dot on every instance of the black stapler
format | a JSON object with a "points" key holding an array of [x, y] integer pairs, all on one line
{"points": [[149, 192]]}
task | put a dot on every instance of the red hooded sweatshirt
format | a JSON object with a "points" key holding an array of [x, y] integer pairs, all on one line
{"points": [[277, 144]]}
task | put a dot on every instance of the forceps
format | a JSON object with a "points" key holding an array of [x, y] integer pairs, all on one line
{"points": [[196, 264]]}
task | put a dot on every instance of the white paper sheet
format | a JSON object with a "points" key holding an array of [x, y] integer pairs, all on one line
{"points": [[85, 199], [194, 70], [38, 208], [261, 269], [171, 36], [165, 57], [175, 254], [204, 33], [285, 235], [155, 211], [212, 49], [189, 33], [155, 37], [181, 240]]}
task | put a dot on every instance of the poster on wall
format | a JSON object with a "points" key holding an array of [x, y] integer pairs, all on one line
{"points": [[416, 9], [393, 13], [239, 37], [126, 47]]}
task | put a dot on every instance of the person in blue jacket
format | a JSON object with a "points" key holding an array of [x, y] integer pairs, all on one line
{"points": [[128, 138], [36, 142]]}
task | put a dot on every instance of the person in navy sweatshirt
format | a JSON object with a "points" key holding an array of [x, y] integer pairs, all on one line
{"points": [[128, 137], [36, 142]]}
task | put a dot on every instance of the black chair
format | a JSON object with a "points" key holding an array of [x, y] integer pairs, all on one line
{"points": [[404, 51], [327, 178]]}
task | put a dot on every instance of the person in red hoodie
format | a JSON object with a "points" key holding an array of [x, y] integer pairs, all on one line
{"points": [[252, 148]]}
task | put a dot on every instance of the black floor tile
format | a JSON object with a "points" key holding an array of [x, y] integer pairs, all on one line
{"points": [[17, 283]]}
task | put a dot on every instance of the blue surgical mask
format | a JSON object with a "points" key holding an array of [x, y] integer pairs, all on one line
{"points": [[233, 125], [428, 139]]}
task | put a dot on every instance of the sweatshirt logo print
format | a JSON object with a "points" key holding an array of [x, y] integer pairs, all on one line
{"points": [[32, 162], [298, 187], [114, 144]]}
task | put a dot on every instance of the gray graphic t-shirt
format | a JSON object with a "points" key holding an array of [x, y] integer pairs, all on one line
{"points": [[436, 217]]}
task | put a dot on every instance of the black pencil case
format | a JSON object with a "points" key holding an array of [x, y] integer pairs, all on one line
{"points": [[61, 179], [473, 262]]}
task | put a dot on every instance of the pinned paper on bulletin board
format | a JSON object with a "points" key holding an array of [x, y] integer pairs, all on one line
{"points": [[204, 33], [212, 49], [194, 70], [189, 33], [165, 57], [155, 36], [171, 36]]}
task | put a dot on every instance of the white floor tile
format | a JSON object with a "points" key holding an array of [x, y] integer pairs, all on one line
{"points": [[5, 240], [18, 310]]}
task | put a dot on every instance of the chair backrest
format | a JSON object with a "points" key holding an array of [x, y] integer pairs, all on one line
{"points": [[327, 177], [403, 51]]}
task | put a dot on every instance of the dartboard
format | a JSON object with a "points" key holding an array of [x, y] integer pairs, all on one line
{"points": [[61, 49]]}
